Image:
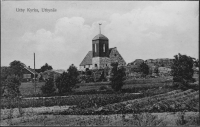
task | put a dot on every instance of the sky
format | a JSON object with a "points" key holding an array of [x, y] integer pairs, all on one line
{"points": [[139, 30]]}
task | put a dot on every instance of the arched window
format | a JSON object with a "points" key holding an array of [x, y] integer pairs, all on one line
{"points": [[95, 47], [104, 47]]}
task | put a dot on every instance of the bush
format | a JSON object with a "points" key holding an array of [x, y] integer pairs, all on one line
{"points": [[67, 80], [117, 77], [11, 86], [144, 69], [48, 88], [182, 70]]}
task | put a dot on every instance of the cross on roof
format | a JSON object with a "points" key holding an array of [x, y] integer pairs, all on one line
{"points": [[100, 28]]}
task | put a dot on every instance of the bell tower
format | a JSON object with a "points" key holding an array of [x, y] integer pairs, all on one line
{"points": [[100, 51]]}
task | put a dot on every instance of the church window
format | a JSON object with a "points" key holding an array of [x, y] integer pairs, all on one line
{"points": [[84, 66], [95, 48], [95, 65], [104, 47], [115, 54]]}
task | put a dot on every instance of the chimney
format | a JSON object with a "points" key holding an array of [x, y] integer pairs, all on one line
{"points": [[28, 66]]}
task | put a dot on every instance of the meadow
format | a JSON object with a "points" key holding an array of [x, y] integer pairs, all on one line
{"points": [[98, 104], [27, 89]]}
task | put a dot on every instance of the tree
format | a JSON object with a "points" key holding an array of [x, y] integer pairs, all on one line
{"points": [[196, 63], [46, 67], [73, 75], [5, 72], [182, 70], [117, 77], [16, 67], [10, 87], [48, 88], [88, 71], [10, 78], [156, 70], [144, 68], [67, 80]]}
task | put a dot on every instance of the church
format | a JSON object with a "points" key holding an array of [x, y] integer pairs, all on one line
{"points": [[101, 55]]}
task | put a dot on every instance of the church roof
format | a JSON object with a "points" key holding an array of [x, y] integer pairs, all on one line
{"points": [[87, 60], [100, 36]]}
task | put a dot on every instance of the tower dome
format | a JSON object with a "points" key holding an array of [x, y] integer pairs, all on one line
{"points": [[100, 37]]}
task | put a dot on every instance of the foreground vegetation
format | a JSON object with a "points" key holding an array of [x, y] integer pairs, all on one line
{"points": [[141, 119], [138, 97], [173, 101], [81, 101]]}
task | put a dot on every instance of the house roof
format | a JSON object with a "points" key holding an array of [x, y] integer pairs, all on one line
{"points": [[87, 60], [31, 70], [100, 36]]}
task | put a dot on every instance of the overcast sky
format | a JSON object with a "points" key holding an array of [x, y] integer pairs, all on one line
{"points": [[139, 30]]}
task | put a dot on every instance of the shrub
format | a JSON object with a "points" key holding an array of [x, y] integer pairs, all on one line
{"points": [[182, 70], [48, 88], [67, 80], [117, 77], [144, 69], [11, 86]]}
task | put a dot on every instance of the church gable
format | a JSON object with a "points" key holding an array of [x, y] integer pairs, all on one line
{"points": [[116, 57], [87, 60]]}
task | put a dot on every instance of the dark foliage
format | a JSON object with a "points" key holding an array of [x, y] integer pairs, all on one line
{"points": [[196, 63], [118, 75], [10, 87], [48, 88], [156, 70], [67, 80], [11, 79], [182, 70], [45, 68], [16, 68], [144, 69]]}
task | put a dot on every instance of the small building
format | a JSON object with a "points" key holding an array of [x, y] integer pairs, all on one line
{"points": [[28, 74]]}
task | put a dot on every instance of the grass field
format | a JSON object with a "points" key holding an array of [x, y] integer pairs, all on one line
{"points": [[28, 89], [117, 109], [56, 115]]}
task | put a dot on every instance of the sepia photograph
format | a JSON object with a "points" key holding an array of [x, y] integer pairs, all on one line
{"points": [[99, 63]]}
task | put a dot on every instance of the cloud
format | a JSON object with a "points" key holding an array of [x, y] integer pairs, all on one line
{"points": [[70, 40], [151, 32], [156, 31]]}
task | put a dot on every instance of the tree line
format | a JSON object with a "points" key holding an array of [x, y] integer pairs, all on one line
{"points": [[182, 72]]}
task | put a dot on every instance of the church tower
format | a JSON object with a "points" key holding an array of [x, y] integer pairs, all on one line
{"points": [[100, 51]]}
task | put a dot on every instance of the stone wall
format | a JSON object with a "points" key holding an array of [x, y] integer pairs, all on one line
{"points": [[82, 68], [116, 57], [104, 62], [101, 62], [95, 60]]}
